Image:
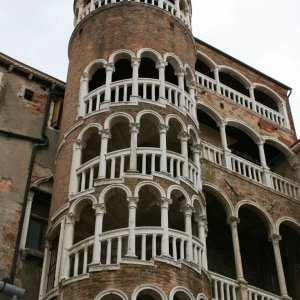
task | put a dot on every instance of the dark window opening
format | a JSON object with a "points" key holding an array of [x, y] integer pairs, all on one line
{"points": [[38, 221], [266, 100], [97, 80], [28, 94], [148, 69], [123, 70], [57, 114], [52, 264], [233, 83], [170, 74], [203, 68]]}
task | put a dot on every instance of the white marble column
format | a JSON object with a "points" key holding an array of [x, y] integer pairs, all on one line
{"points": [[165, 202], [180, 74], [105, 136], [227, 153], [132, 205], [43, 283], [161, 66], [188, 211], [196, 149], [280, 271], [59, 258], [76, 161], [134, 131], [160, 4], [163, 146], [26, 219], [184, 137], [69, 238], [84, 90], [283, 110], [99, 214], [192, 91], [135, 64], [217, 79], [109, 71], [177, 5], [202, 221], [236, 248], [266, 170]]}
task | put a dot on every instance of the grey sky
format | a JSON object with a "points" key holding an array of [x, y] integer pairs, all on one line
{"points": [[264, 34]]}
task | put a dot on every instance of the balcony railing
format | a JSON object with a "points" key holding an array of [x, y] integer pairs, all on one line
{"points": [[163, 4], [113, 248], [250, 170], [117, 163], [241, 99], [148, 89], [258, 294]]}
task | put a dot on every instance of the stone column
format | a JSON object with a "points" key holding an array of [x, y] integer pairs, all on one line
{"points": [[132, 204], [161, 66], [184, 137], [84, 90], [202, 221], [76, 161], [44, 271], [196, 157], [105, 136], [177, 5], [180, 74], [280, 272], [266, 171], [69, 238], [163, 146], [134, 130], [109, 71], [217, 79], [283, 111], [188, 211], [135, 64], [165, 202], [26, 220], [99, 214], [192, 91], [227, 153], [59, 253], [160, 3]]}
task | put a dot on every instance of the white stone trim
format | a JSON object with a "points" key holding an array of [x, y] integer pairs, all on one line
{"points": [[180, 289], [119, 293], [143, 287]]}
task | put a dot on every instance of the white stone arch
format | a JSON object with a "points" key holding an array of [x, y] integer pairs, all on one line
{"points": [[112, 187], [77, 206], [243, 126], [201, 297], [86, 128], [294, 223], [236, 74], [150, 53], [190, 129], [261, 212], [173, 60], [156, 115], [108, 122], [206, 59], [261, 87], [190, 77], [180, 289], [201, 202], [119, 293], [211, 111], [221, 196], [120, 54], [172, 116], [149, 183], [93, 66], [280, 146], [150, 287], [180, 189]]}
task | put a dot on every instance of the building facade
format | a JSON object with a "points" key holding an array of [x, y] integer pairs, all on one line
{"points": [[176, 168]]}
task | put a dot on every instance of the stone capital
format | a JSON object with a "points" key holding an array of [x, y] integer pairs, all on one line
{"points": [[110, 67], [84, 77], [135, 62], [165, 202], [134, 127], [180, 72], [132, 202], [161, 64], [163, 128], [78, 145], [234, 221], [196, 148], [105, 134], [261, 142], [275, 238], [222, 124], [184, 136], [187, 209], [99, 208], [72, 218]]}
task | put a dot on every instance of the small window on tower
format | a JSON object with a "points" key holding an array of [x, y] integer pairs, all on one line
{"points": [[28, 95], [56, 114]]}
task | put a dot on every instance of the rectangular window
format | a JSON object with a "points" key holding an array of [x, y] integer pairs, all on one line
{"points": [[28, 95], [38, 221], [52, 264], [56, 114]]}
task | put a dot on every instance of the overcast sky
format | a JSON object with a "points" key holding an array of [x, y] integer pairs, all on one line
{"points": [[262, 33]]}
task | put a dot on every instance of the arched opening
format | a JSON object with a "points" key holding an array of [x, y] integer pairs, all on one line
{"points": [[265, 99], [278, 162], [290, 253], [220, 253], [203, 68], [148, 68], [242, 145], [209, 130], [123, 70], [120, 135], [173, 141], [148, 294], [98, 79], [234, 83], [256, 250], [111, 296], [192, 142], [170, 74], [176, 216], [91, 145], [181, 295]]}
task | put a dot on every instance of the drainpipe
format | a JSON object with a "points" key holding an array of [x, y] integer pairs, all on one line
{"points": [[38, 143]]}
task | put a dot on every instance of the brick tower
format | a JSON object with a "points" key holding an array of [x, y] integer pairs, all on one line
{"points": [[175, 172]]}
